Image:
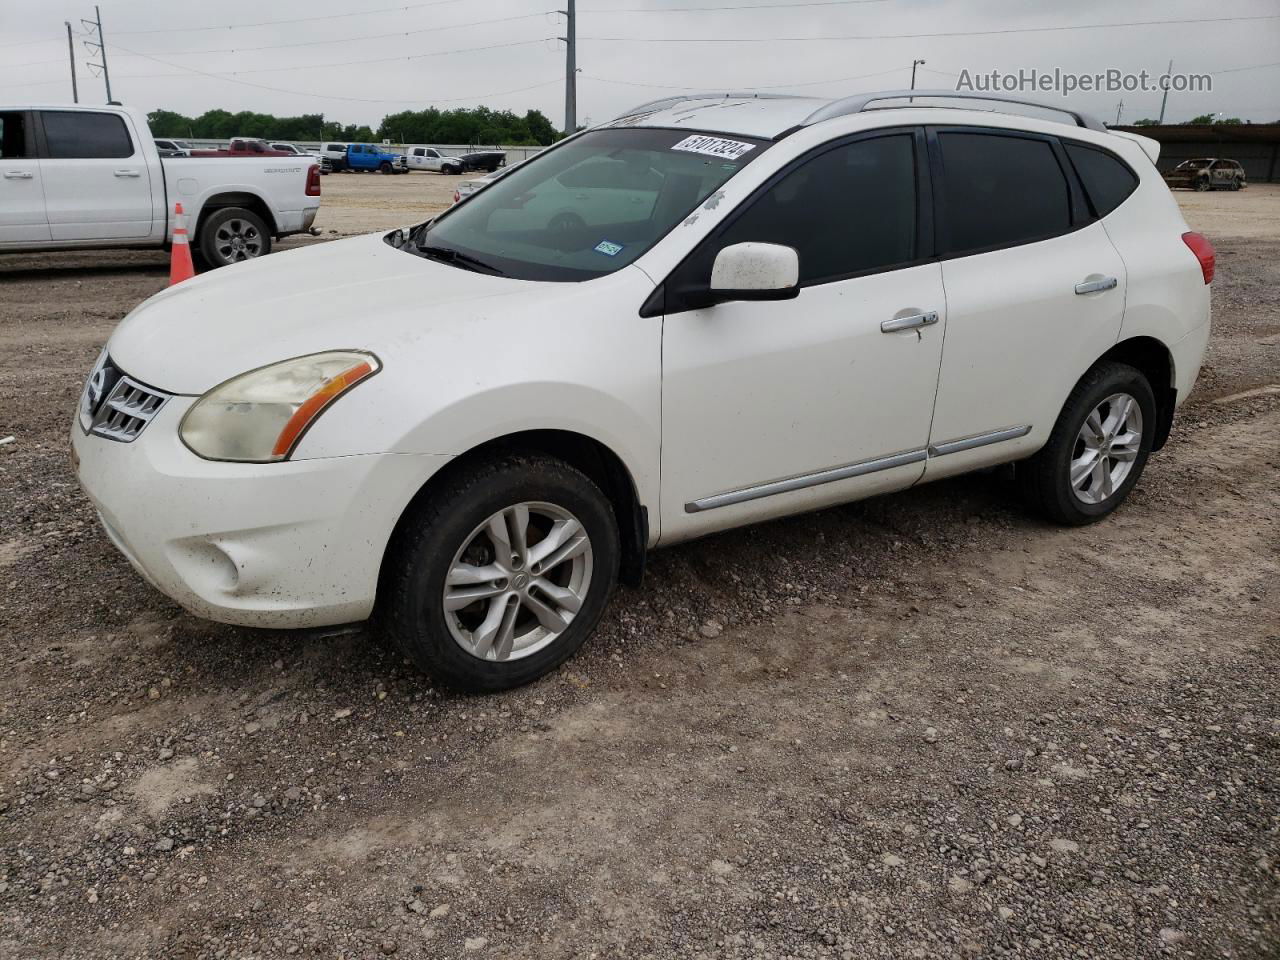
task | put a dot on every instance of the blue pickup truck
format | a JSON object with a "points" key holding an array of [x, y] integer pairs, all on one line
{"points": [[362, 156]]}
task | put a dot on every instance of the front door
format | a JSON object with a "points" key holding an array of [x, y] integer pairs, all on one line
{"points": [[97, 184], [777, 407], [22, 216], [1035, 294]]}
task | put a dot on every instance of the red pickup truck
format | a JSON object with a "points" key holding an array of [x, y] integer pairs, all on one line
{"points": [[244, 147]]}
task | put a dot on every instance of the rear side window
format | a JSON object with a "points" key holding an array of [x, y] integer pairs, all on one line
{"points": [[1107, 180], [999, 191], [847, 211], [85, 136], [13, 135]]}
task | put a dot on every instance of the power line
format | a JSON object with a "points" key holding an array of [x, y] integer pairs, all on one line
{"points": [[230, 74], [735, 6], [273, 23], [374, 36], [776, 86], [926, 36]]}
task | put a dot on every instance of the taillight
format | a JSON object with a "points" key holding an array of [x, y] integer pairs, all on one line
{"points": [[313, 180], [1203, 249]]}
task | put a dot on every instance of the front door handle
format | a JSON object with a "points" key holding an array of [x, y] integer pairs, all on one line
{"points": [[1093, 286], [128, 173], [18, 175], [913, 322]]}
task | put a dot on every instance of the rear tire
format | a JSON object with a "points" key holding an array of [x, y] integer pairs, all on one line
{"points": [[1097, 450], [231, 235], [443, 552]]}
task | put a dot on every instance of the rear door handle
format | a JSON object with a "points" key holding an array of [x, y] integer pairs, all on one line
{"points": [[913, 322], [18, 174], [128, 173], [1093, 286]]}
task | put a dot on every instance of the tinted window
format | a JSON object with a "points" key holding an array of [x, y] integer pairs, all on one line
{"points": [[1107, 181], [13, 139], [1000, 190], [849, 210], [79, 136]]}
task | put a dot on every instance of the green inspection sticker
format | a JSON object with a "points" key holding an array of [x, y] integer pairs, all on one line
{"points": [[608, 248]]}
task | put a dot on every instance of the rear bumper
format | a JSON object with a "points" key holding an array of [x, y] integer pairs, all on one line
{"points": [[297, 221], [294, 544]]}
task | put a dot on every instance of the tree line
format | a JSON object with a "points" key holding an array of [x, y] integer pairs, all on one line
{"points": [[474, 125]]}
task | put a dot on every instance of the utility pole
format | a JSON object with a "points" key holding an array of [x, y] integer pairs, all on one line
{"points": [[914, 64], [570, 69], [1165, 99], [71, 53], [96, 25], [1119, 107]]}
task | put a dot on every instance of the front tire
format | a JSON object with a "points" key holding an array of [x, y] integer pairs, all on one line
{"points": [[231, 235], [500, 575], [1097, 450], [1203, 185]]}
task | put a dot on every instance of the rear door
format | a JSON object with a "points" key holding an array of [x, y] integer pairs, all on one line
{"points": [[1035, 292], [22, 212], [97, 184]]}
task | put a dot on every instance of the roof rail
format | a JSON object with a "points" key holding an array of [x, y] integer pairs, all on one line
{"points": [[716, 95], [860, 102]]}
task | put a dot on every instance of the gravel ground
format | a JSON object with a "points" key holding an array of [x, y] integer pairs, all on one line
{"points": [[921, 726]]}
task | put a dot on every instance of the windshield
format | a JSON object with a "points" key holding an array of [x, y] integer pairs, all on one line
{"points": [[1193, 164], [589, 207]]}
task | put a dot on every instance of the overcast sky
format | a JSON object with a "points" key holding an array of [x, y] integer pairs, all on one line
{"points": [[191, 57]]}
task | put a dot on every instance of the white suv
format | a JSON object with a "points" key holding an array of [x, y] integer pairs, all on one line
{"points": [[706, 313]]}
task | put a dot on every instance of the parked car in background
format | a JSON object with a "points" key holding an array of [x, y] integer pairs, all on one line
{"points": [[244, 147], [89, 177], [431, 159], [1207, 173], [467, 187], [289, 148], [173, 148], [335, 154], [479, 425], [369, 157]]}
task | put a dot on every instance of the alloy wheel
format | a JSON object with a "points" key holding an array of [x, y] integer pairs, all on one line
{"points": [[1106, 448], [517, 582], [237, 240]]}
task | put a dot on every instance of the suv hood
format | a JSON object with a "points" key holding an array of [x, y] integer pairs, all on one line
{"points": [[357, 293]]}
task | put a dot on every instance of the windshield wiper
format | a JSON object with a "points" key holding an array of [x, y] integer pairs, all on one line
{"points": [[462, 260]]}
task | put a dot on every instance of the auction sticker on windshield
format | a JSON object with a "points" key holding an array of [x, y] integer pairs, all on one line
{"points": [[714, 147]]}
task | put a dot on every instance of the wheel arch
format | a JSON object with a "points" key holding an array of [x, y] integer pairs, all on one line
{"points": [[1154, 359], [605, 468], [237, 198]]}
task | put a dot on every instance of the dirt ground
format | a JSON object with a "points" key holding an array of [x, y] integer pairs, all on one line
{"points": [[922, 726]]}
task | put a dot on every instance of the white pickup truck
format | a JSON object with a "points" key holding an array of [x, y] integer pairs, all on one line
{"points": [[429, 158], [89, 177]]}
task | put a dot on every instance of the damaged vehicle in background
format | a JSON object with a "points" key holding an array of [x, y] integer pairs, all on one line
{"points": [[1206, 173], [473, 428]]}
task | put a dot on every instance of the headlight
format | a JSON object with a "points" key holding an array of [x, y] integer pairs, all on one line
{"points": [[259, 416]]}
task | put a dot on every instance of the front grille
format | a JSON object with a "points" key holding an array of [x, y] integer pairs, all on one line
{"points": [[116, 406]]}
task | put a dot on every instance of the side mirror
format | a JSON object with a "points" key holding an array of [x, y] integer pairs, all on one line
{"points": [[755, 271]]}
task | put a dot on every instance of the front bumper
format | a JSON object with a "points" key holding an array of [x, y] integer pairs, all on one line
{"points": [[293, 544]]}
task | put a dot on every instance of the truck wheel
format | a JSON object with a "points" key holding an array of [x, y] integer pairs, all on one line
{"points": [[385, 168], [233, 234], [448, 169]]}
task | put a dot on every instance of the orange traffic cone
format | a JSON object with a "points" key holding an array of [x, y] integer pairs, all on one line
{"points": [[180, 265]]}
